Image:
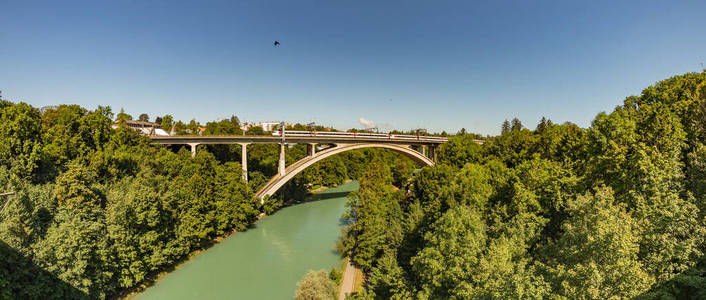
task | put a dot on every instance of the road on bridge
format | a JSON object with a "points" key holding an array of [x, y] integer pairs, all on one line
{"points": [[268, 139]]}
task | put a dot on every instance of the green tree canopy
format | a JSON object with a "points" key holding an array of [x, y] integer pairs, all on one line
{"points": [[316, 286]]}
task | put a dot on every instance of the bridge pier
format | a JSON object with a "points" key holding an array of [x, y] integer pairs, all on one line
{"points": [[244, 160], [193, 148], [312, 149], [281, 160]]}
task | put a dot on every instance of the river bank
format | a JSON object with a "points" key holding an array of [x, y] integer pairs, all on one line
{"points": [[266, 261], [157, 276]]}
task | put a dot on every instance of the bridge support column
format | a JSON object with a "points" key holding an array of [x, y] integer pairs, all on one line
{"points": [[244, 160], [312, 149], [193, 148], [281, 160], [424, 149]]}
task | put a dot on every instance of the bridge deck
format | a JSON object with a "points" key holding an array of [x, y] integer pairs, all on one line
{"points": [[265, 139]]}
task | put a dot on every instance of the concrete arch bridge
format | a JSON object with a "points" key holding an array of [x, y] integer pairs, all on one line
{"points": [[422, 150]]}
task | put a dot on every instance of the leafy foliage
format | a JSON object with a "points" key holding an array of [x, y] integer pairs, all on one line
{"points": [[316, 286], [101, 210], [613, 211]]}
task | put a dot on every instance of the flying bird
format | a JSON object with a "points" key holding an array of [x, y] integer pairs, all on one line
{"points": [[276, 43]]}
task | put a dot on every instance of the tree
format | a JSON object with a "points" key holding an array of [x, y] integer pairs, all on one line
{"points": [[616, 210], [597, 255], [511, 148], [687, 285], [516, 125], [459, 151], [235, 121], [375, 215], [98, 209], [20, 138], [430, 187], [193, 126], [609, 212], [542, 125], [505, 128], [122, 116], [77, 250], [460, 261], [72, 132], [255, 130], [388, 280], [316, 286], [696, 174], [562, 143], [17, 228], [138, 225], [73, 188], [167, 122], [144, 118], [461, 234]]}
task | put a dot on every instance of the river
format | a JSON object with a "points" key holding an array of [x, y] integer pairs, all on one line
{"points": [[266, 261]]}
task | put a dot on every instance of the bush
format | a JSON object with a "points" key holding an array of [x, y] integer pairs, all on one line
{"points": [[316, 286], [335, 275]]}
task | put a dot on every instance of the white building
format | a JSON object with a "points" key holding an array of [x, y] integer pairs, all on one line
{"points": [[266, 126], [144, 128]]}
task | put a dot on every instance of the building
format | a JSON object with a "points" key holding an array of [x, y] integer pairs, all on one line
{"points": [[266, 126], [144, 128]]}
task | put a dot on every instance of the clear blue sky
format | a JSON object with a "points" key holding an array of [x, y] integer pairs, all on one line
{"points": [[441, 65]]}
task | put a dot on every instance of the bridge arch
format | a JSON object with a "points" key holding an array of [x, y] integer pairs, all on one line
{"points": [[278, 181]]}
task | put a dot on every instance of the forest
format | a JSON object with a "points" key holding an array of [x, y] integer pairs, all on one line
{"points": [[616, 210], [612, 211], [100, 212]]}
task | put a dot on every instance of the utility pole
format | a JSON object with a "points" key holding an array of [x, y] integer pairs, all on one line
{"points": [[281, 168], [283, 127]]}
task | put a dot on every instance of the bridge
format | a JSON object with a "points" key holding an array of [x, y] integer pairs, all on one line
{"points": [[420, 149]]}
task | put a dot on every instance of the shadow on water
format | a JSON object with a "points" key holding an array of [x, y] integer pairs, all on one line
{"points": [[317, 197], [20, 278], [344, 221], [325, 196]]}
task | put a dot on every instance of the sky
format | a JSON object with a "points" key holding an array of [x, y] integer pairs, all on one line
{"points": [[439, 65]]}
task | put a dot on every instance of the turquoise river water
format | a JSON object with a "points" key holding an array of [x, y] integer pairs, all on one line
{"points": [[266, 261]]}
